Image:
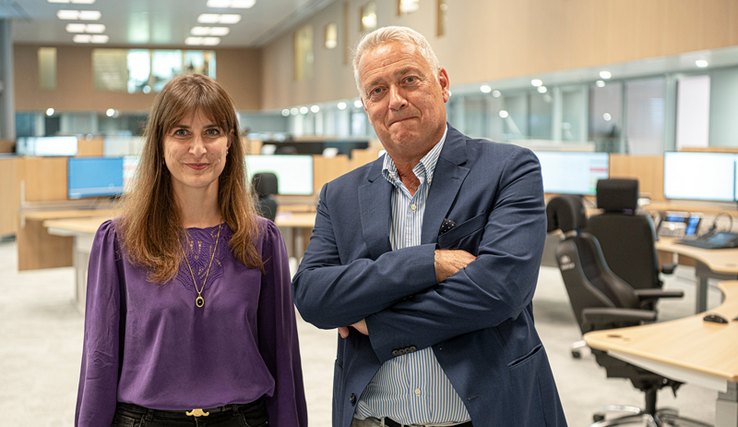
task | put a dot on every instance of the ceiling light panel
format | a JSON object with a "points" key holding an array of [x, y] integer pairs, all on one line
{"points": [[74, 15], [235, 4], [73, 1], [76, 28], [202, 41], [214, 18], [210, 31]]}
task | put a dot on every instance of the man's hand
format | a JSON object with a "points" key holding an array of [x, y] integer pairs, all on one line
{"points": [[449, 262], [359, 326]]}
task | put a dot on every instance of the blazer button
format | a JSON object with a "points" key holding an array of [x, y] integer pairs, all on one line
{"points": [[352, 399], [412, 348], [395, 352]]}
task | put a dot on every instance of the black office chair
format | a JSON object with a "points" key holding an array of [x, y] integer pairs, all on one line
{"points": [[265, 185], [601, 300], [627, 238]]}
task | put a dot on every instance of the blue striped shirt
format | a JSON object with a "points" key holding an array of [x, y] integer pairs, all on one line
{"points": [[411, 389]]}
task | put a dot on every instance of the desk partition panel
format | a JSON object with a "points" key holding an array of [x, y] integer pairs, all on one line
{"points": [[700, 176], [567, 172]]}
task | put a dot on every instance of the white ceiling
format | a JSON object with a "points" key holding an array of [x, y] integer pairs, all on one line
{"points": [[156, 22]]}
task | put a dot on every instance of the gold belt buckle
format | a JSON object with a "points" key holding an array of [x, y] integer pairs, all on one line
{"points": [[197, 413]]}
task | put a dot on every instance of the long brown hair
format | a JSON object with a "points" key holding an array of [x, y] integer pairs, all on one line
{"points": [[151, 226]]}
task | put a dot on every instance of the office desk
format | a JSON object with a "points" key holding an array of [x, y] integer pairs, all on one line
{"points": [[688, 350], [38, 249], [82, 230], [709, 263]]}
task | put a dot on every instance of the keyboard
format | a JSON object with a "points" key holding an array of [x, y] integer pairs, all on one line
{"points": [[721, 240]]}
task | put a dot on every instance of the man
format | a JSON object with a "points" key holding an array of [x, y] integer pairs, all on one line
{"points": [[431, 255]]}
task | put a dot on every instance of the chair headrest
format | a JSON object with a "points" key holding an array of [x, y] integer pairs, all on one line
{"points": [[566, 213], [265, 184], [617, 194]]}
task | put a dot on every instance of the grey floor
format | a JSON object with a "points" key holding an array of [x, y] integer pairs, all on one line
{"points": [[41, 340]]}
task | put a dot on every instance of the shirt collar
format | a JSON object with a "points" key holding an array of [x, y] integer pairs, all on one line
{"points": [[423, 170]]}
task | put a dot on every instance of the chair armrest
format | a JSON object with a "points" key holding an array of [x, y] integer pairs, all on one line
{"points": [[655, 294], [668, 268], [609, 318]]}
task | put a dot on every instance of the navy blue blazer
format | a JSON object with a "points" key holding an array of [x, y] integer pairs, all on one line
{"points": [[479, 321]]}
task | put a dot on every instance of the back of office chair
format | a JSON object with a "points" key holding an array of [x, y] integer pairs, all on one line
{"points": [[265, 185], [627, 238], [588, 280]]}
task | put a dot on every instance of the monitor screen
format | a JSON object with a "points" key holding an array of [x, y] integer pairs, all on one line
{"points": [[573, 172], [700, 176], [294, 172], [130, 163], [94, 176]]}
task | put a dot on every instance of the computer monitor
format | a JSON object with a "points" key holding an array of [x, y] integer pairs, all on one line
{"points": [[700, 176], [294, 172], [130, 164], [47, 146], [567, 172], [94, 176]]}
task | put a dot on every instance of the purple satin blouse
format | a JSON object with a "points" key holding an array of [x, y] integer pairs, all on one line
{"points": [[149, 344]]}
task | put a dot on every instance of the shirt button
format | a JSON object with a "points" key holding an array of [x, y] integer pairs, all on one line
{"points": [[413, 207], [417, 392]]}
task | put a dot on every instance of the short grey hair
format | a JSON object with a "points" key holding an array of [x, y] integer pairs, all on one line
{"points": [[393, 34]]}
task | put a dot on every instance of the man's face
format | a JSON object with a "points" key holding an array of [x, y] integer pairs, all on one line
{"points": [[403, 99]]}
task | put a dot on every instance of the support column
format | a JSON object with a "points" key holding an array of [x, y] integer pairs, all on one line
{"points": [[7, 88]]}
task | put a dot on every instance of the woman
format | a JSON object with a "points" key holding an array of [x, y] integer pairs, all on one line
{"points": [[189, 313]]}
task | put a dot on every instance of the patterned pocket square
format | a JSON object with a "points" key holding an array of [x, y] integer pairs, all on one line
{"points": [[446, 226]]}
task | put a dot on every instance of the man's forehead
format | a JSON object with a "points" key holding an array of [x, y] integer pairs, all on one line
{"points": [[398, 58]]}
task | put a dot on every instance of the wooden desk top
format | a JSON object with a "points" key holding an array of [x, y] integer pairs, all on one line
{"points": [[719, 260], [76, 213], [90, 224], [76, 225], [689, 343]]}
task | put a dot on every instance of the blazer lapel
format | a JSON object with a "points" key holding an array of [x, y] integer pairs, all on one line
{"points": [[447, 179], [374, 205]]}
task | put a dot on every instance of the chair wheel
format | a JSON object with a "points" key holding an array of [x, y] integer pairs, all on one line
{"points": [[598, 417], [576, 354]]}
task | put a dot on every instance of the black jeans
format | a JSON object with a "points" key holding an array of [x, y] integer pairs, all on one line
{"points": [[249, 415]]}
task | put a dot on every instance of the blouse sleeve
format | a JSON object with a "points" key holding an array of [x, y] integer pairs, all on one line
{"points": [[98, 379], [278, 342]]}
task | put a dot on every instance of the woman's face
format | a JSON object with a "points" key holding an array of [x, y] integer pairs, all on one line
{"points": [[195, 153]]}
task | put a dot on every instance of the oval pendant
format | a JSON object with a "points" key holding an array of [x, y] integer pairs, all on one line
{"points": [[199, 302]]}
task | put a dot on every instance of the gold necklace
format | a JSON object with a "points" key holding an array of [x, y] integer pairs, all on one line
{"points": [[199, 301]]}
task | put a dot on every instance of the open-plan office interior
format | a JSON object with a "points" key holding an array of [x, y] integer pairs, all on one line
{"points": [[644, 90]]}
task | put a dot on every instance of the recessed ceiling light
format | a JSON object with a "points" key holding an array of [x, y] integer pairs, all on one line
{"points": [[89, 15], [210, 31], [294, 111], [496, 93], [701, 63], [358, 103], [542, 89], [73, 1], [605, 74], [303, 110], [214, 18], [285, 112], [76, 28], [600, 83], [504, 114], [95, 28], [100, 38], [193, 41], [68, 14], [536, 82], [341, 105], [236, 4], [315, 108], [485, 88], [85, 15], [202, 41], [82, 38], [50, 112]]}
